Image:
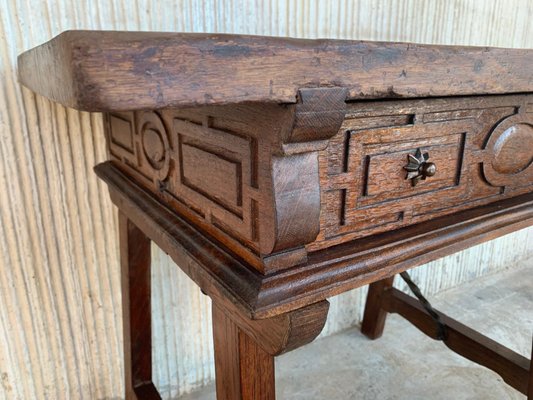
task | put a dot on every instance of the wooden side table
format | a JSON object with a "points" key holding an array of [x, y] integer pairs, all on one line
{"points": [[278, 172]]}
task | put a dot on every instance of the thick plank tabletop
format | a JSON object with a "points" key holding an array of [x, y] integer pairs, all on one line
{"points": [[105, 70]]}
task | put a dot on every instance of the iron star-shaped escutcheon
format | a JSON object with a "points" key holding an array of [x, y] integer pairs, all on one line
{"points": [[418, 167]]}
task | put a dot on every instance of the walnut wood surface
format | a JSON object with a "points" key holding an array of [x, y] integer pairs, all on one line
{"points": [[136, 311], [530, 388], [511, 366], [247, 175], [244, 371], [105, 71], [327, 272], [375, 315], [268, 171], [482, 148], [245, 349], [274, 182], [281, 333]]}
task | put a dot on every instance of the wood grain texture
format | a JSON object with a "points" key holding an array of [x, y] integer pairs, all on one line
{"points": [[296, 199], [327, 272], [246, 174], [281, 333], [61, 328], [244, 371], [135, 263], [245, 349], [318, 114], [265, 180], [478, 144], [103, 71], [374, 316], [511, 366]]}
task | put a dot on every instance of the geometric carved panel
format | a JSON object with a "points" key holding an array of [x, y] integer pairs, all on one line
{"points": [[203, 170], [155, 146], [215, 172], [121, 133], [474, 143], [384, 176], [140, 141], [210, 172]]}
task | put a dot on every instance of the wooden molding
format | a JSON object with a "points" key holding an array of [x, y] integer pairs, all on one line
{"points": [[275, 182], [326, 272], [287, 159], [482, 148], [318, 115], [281, 333]]}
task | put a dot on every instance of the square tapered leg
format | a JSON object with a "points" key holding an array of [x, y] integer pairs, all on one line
{"points": [[136, 308], [375, 315]]}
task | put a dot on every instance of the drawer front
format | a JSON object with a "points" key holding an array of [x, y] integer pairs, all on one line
{"points": [[481, 147]]}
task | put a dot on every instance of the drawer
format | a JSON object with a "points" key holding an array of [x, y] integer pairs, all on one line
{"points": [[224, 170], [481, 147]]}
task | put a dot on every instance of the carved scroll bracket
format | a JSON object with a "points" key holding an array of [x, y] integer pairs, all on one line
{"points": [[246, 174], [317, 116]]}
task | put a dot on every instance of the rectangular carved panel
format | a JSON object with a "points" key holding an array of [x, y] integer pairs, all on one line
{"points": [[215, 172], [236, 172], [482, 148], [225, 171], [384, 174], [208, 174], [214, 176], [121, 133]]}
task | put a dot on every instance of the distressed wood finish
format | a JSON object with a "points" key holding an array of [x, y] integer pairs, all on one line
{"points": [[329, 271], [272, 175], [482, 148], [150, 70], [243, 292], [249, 175]]}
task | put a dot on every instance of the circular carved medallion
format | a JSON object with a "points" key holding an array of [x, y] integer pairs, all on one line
{"points": [[509, 152], [154, 148], [155, 145]]}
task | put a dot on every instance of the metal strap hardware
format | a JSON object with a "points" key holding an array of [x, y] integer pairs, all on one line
{"points": [[441, 327]]}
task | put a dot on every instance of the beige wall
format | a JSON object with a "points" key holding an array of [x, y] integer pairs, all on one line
{"points": [[60, 332]]}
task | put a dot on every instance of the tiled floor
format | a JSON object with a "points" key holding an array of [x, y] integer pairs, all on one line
{"points": [[405, 364]]}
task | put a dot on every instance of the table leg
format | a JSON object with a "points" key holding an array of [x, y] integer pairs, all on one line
{"points": [[375, 315], [245, 348], [243, 369], [136, 311], [530, 387]]}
